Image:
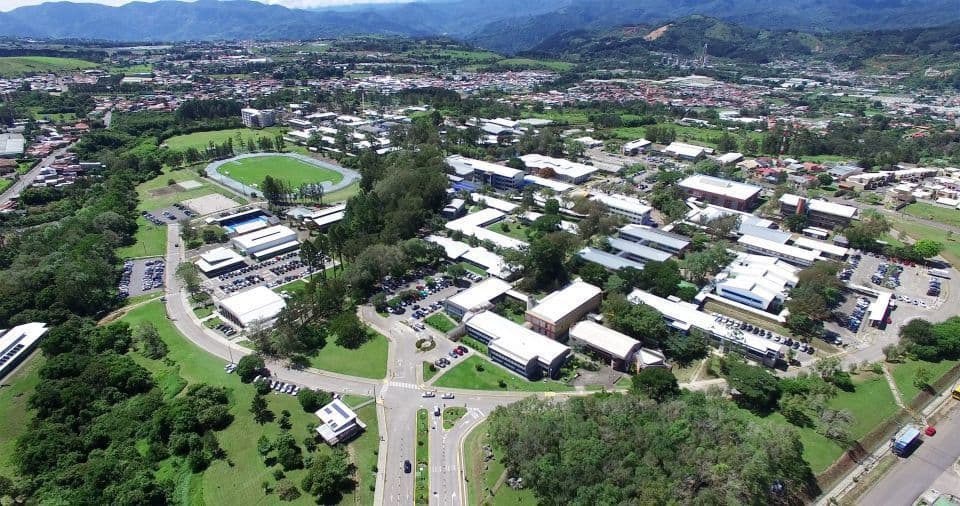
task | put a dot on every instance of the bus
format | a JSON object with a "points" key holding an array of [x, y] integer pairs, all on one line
{"points": [[940, 273]]}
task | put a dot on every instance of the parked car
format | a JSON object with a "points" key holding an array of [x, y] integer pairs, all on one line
{"points": [[407, 467]]}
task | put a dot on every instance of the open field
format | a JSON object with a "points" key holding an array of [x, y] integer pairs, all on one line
{"points": [[455, 56], [482, 476], [947, 216], [239, 483], [918, 231], [13, 405], [157, 193], [367, 361], [904, 373], [151, 240], [871, 403], [16, 66], [252, 171], [527, 63], [515, 230], [201, 140], [465, 375], [441, 322]]}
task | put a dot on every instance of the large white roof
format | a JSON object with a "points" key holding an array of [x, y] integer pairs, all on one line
{"points": [[783, 249], [820, 206], [466, 166], [558, 304], [255, 239], [217, 258], [814, 245], [454, 249], [516, 341], [718, 186], [17, 341], [622, 202], [603, 338], [655, 236], [566, 168], [260, 303], [638, 250], [480, 294]]}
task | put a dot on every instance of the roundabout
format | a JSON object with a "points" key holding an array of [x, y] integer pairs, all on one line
{"points": [[245, 173]]}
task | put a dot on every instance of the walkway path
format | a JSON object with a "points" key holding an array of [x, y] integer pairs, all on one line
{"points": [[897, 398]]}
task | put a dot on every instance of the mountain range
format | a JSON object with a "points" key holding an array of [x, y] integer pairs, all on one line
{"points": [[503, 25]]}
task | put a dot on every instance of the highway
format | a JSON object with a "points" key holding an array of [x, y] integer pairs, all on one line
{"points": [[912, 476]]}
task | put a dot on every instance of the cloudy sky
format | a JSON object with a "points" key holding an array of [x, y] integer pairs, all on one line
{"points": [[6, 5]]}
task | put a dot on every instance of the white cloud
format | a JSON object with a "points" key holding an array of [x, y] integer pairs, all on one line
{"points": [[9, 5]]}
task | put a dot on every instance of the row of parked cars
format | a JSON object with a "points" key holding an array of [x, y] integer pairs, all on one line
{"points": [[744, 327], [185, 210], [279, 386], [152, 218], [459, 351], [153, 274], [934, 289], [239, 272], [287, 267], [852, 264], [888, 275], [226, 329], [241, 283], [426, 310]]}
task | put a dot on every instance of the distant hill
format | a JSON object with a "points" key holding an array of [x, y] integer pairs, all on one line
{"points": [[818, 16], [688, 36], [503, 25]]}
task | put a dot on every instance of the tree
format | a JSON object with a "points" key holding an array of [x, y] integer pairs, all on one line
{"points": [[795, 409], [311, 400], [684, 348], [824, 179], [264, 446], [149, 338], [926, 248], [287, 491], [757, 389], [594, 274], [921, 379], [892, 352], [249, 366], [661, 278], [190, 276], [258, 406], [289, 455], [835, 424], [796, 222], [656, 383], [349, 330], [326, 474]]}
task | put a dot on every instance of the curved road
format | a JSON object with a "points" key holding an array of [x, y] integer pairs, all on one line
{"points": [[398, 396]]}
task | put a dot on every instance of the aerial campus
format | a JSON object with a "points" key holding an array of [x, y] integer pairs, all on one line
{"points": [[391, 270]]}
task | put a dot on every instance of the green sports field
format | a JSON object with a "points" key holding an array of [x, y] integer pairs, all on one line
{"points": [[252, 171], [15, 66], [200, 140]]}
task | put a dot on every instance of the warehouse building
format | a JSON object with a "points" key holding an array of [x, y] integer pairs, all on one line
{"points": [[826, 250], [819, 213], [675, 244], [618, 349], [478, 297], [11, 145], [517, 348], [338, 423], [17, 343], [219, 261], [721, 192], [266, 242], [257, 305], [557, 312]]}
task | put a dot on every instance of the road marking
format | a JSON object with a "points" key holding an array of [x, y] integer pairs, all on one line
{"points": [[401, 384]]}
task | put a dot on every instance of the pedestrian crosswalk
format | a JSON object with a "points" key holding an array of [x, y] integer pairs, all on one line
{"points": [[401, 384]]}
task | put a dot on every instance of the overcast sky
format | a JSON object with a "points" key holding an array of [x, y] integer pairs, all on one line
{"points": [[7, 5]]}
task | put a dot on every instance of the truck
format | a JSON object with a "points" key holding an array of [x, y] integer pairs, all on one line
{"points": [[940, 273], [905, 440]]}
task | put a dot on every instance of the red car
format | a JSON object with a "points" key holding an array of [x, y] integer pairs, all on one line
{"points": [[930, 430]]}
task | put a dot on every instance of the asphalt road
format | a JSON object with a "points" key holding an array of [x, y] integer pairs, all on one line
{"points": [[912, 476], [27, 179]]}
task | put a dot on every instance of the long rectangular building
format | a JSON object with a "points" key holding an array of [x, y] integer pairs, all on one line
{"points": [[721, 192], [565, 170], [264, 239], [792, 254], [498, 176], [557, 312], [17, 343], [630, 208], [619, 349], [518, 348], [478, 297], [819, 213], [655, 238]]}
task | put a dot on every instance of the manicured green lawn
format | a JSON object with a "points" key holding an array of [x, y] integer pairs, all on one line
{"points": [[422, 484], [509, 229], [429, 370], [223, 483], [951, 242], [527, 63], [151, 241], [473, 268], [15, 66], [441, 322], [947, 216], [367, 361], [871, 403], [343, 194], [5, 183], [201, 140], [904, 373], [13, 406], [203, 312], [465, 375], [157, 193], [296, 172], [452, 415], [136, 299]]}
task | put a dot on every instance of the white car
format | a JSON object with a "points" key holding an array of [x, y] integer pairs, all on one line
{"points": [[428, 395]]}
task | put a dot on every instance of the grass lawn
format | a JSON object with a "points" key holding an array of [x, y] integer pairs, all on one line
{"points": [[570, 117], [429, 370], [514, 316], [222, 483], [143, 297], [473, 268], [203, 312], [441, 322], [156, 193], [935, 213], [292, 287], [871, 403], [421, 490], [13, 405], [151, 241], [465, 375], [527, 63], [515, 230], [16, 66], [202, 140], [5, 183], [343, 194], [367, 361], [485, 475], [904, 373], [452, 415], [252, 171], [951, 242]]}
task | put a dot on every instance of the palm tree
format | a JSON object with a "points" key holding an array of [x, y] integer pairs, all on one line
{"points": [[336, 238]]}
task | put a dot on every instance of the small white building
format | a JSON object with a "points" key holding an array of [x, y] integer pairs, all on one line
{"points": [[259, 304], [338, 423], [219, 261], [619, 349]]}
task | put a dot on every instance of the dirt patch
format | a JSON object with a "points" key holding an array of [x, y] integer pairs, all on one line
{"points": [[166, 190], [656, 34]]}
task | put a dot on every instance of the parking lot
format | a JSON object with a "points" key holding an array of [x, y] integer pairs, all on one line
{"points": [[803, 351], [423, 300], [141, 276], [271, 273]]}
